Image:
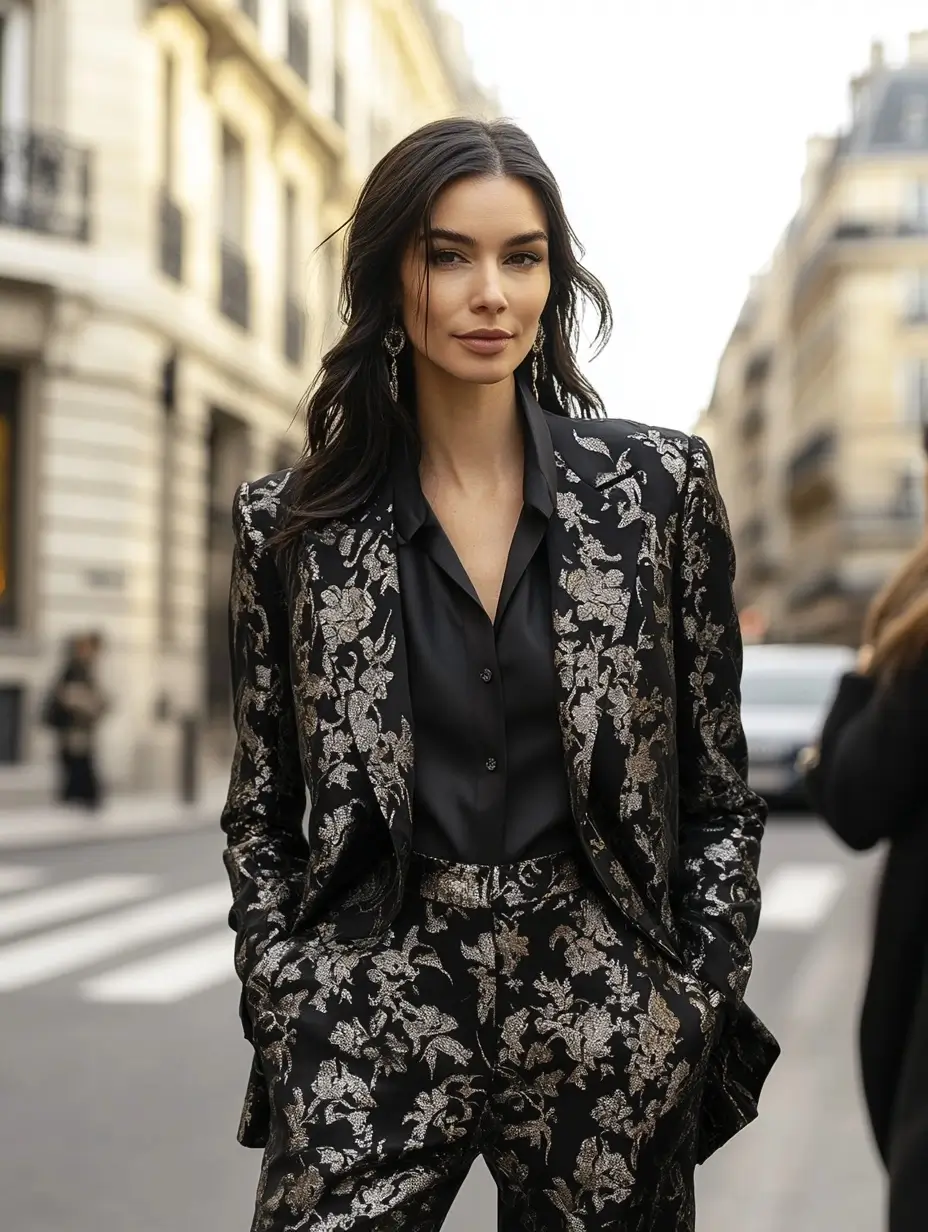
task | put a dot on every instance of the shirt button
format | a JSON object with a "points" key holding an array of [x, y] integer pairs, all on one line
{"points": [[486, 675], [491, 763]]}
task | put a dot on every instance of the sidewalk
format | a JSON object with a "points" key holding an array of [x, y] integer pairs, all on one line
{"points": [[121, 817]]}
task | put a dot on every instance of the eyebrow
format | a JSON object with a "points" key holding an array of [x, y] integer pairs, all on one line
{"points": [[468, 241]]}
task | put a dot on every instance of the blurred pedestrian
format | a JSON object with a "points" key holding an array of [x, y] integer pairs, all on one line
{"points": [[869, 780], [73, 710], [535, 947]]}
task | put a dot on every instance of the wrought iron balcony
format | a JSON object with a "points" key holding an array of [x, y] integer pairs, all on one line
{"points": [[294, 330], [298, 42], [44, 183], [234, 298], [171, 237]]}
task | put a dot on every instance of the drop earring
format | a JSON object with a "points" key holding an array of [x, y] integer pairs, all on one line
{"points": [[538, 359], [394, 340]]}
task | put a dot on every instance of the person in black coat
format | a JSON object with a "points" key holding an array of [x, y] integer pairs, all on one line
{"points": [[869, 780], [73, 710]]}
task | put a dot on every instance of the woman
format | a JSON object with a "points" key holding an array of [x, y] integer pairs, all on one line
{"points": [[869, 779], [496, 647]]}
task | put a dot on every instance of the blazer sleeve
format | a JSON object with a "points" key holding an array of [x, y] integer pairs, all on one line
{"points": [[266, 854], [721, 821], [871, 780]]}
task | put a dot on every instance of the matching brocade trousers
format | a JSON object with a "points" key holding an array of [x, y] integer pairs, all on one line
{"points": [[509, 1011]]}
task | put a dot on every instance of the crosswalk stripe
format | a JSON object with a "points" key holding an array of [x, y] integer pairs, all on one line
{"points": [[18, 877], [66, 902], [28, 962], [169, 976], [797, 897]]}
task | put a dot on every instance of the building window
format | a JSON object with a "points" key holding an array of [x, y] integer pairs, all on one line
{"points": [[11, 723], [914, 119], [340, 96], [9, 445], [916, 205], [234, 292], [232, 220], [916, 295], [915, 407], [298, 38], [171, 218], [294, 317], [15, 59]]}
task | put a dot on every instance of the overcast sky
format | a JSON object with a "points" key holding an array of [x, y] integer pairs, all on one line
{"points": [[677, 130]]}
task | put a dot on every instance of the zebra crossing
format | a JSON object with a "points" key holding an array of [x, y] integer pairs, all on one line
{"points": [[65, 929], [51, 931]]}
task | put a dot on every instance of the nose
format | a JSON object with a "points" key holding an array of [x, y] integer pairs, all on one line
{"points": [[488, 294]]}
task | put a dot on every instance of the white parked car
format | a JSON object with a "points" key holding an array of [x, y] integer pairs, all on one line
{"points": [[786, 692]]}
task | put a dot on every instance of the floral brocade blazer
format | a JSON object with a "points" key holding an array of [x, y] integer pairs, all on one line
{"points": [[648, 655]]}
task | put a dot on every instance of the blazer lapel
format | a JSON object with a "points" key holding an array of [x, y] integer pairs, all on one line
{"points": [[594, 544], [358, 656]]}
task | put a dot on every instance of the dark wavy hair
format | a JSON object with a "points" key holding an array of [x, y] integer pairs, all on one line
{"points": [[351, 419]]}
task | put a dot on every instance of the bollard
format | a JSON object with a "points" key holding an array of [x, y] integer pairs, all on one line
{"points": [[189, 758]]}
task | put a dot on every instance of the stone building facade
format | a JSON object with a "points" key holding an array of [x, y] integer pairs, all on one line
{"points": [[821, 399], [167, 172]]}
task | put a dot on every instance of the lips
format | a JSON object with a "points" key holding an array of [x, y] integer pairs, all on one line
{"points": [[485, 341], [494, 335]]}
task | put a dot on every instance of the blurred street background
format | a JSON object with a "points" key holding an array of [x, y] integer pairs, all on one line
{"points": [[751, 186], [125, 1067]]}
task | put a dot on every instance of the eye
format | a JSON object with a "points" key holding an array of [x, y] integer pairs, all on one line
{"points": [[524, 260], [445, 256]]}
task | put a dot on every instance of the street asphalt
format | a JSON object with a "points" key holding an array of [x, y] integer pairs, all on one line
{"points": [[123, 1064]]}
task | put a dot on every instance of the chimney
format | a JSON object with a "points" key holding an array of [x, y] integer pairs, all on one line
{"points": [[918, 47], [877, 56]]}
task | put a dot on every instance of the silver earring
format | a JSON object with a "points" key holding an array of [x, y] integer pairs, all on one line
{"points": [[394, 340], [538, 359]]}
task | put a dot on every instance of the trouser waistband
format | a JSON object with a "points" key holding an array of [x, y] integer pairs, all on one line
{"points": [[481, 885]]}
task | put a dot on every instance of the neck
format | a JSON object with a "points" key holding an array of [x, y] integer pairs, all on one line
{"points": [[470, 435]]}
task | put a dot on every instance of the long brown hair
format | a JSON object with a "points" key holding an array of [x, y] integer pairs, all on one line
{"points": [[897, 622], [352, 420]]}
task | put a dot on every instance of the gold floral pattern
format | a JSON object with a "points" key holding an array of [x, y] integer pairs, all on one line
{"points": [[648, 658], [511, 1012]]}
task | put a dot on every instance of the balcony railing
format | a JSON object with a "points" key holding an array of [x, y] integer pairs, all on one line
{"points": [[298, 42], [44, 183], [171, 237], [294, 330], [233, 284]]}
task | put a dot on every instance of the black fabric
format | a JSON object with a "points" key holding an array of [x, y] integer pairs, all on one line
{"points": [[871, 785], [79, 783], [568, 1052], [490, 781]]}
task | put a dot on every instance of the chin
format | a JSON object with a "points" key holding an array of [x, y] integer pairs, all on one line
{"points": [[483, 372]]}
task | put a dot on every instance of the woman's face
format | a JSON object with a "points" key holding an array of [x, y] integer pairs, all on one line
{"points": [[488, 280]]}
